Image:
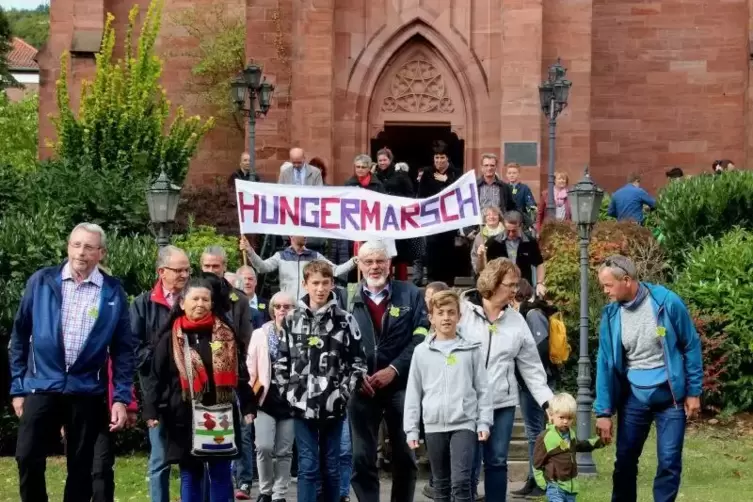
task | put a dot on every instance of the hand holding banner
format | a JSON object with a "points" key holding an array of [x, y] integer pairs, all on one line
{"points": [[354, 213]]}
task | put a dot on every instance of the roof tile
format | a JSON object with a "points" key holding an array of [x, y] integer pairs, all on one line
{"points": [[22, 56]]}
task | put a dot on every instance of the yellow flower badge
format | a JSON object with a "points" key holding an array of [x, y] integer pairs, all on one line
{"points": [[395, 311], [261, 306], [93, 312], [215, 346], [314, 341], [233, 296], [493, 329], [565, 445], [452, 360], [661, 331]]}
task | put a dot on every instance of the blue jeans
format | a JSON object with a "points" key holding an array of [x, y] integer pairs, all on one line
{"points": [[534, 419], [311, 436], [633, 425], [192, 481], [346, 460], [556, 494], [243, 467], [494, 452], [158, 470]]}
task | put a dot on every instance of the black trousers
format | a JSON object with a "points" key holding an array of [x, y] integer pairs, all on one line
{"points": [[44, 414], [103, 474], [365, 415]]}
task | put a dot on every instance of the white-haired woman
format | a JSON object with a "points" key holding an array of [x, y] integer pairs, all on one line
{"points": [[275, 431]]}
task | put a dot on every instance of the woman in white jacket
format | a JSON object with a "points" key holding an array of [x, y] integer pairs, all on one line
{"points": [[507, 342]]}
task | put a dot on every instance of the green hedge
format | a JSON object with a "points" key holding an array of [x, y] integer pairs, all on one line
{"points": [[706, 205], [716, 281]]}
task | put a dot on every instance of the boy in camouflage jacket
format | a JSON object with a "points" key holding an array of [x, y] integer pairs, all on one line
{"points": [[321, 363]]}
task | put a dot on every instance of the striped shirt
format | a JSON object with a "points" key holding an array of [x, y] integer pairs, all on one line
{"points": [[79, 311]]}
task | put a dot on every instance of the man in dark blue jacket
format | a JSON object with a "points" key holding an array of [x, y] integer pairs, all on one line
{"points": [[627, 202], [392, 318], [649, 369], [70, 317]]}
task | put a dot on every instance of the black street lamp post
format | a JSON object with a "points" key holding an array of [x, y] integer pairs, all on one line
{"points": [[163, 198], [553, 93], [252, 87], [585, 200]]}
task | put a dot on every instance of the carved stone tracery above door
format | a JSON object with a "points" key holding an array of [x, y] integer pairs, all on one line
{"points": [[417, 86]]}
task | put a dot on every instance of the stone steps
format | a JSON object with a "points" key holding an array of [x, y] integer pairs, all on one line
{"points": [[517, 459]]}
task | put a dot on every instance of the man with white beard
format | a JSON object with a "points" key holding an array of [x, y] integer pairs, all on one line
{"points": [[392, 317]]}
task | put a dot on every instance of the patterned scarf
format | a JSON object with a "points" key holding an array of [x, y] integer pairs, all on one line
{"points": [[491, 232], [274, 342], [224, 360], [560, 196]]}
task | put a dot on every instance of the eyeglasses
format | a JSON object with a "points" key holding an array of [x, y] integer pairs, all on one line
{"points": [[611, 263], [179, 270], [369, 263], [87, 247], [282, 306]]}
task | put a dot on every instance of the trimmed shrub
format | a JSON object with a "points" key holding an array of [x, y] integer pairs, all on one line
{"points": [[716, 282], [132, 259], [560, 248], [706, 205], [198, 238]]}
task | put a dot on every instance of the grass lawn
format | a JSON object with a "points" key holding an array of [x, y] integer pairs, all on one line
{"points": [[716, 469]]}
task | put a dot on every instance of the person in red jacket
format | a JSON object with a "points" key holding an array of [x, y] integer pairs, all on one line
{"points": [[103, 474]]}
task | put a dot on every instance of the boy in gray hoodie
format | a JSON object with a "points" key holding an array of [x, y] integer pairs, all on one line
{"points": [[447, 388]]}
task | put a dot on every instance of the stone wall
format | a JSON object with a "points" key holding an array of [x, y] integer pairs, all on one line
{"points": [[669, 86]]}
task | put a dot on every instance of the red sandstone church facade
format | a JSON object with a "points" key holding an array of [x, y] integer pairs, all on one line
{"points": [[655, 84]]}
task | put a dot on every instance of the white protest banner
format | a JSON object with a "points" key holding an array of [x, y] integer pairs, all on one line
{"points": [[354, 213]]}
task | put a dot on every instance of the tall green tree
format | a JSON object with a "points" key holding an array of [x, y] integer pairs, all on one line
{"points": [[122, 121], [6, 79], [33, 26]]}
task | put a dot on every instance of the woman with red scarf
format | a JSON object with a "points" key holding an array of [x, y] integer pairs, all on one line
{"points": [[212, 373], [362, 175]]}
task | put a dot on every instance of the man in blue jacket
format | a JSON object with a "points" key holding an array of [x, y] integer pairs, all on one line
{"points": [[392, 318], [70, 317], [627, 202], [649, 369]]}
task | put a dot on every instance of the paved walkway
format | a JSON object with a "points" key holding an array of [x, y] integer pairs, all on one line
{"points": [[385, 488]]}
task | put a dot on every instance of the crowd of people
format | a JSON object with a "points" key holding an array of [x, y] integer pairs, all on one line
{"points": [[303, 382]]}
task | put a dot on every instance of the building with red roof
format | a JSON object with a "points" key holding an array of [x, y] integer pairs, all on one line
{"points": [[24, 68]]}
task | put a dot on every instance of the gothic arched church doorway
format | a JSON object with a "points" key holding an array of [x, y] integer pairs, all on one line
{"points": [[413, 144]]}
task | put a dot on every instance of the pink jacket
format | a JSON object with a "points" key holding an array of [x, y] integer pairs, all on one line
{"points": [[257, 360], [134, 406]]}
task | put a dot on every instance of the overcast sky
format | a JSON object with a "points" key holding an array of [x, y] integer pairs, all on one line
{"points": [[22, 4]]}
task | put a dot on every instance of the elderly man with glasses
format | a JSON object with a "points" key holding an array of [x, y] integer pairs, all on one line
{"points": [[72, 317], [649, 369], [392, 317], [149, 313]]}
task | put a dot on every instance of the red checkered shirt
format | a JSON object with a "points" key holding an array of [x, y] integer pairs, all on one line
{"points": [[81, 303]]}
